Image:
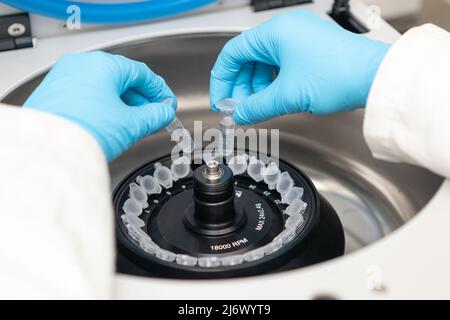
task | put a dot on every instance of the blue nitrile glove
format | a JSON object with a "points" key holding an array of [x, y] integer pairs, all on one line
{"points": [[322, 68], [116, 99]]}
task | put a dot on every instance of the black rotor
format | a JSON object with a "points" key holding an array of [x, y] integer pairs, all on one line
{"points": [[212, 213]]}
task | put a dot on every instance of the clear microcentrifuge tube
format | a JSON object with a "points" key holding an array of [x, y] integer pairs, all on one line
{"points": [[292, 195], [273, 246], [271, 175], [137, 193], [297, 207], [294, 221], [149, 184], [285, 182], [286, 236], [209, 262], [238, 164], [134, 231], [227, 124], [232, 260], [132, 206], [254, 254], [148, 245], [255, 169], [132, 220], [165, 255], [186, 260], [163, 175], [180, 168], [178, 133]]}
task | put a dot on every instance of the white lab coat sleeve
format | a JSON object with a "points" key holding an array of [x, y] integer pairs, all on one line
{"points": [[56, 221], [408, 112]]}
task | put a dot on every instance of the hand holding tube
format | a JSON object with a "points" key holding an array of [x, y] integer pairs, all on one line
{"points": [[321, 68]]}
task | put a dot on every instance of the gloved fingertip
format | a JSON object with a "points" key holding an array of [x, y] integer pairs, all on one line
{"points": [[175, 104], [238, 120], [170, 116], [219, 90], [240, 117], [171, 102], [169, 94], [213, 106], [153, 117], [213, 99], [166, 114]]}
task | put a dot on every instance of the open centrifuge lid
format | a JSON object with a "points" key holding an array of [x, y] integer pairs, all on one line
{"points": [[110, 11]]}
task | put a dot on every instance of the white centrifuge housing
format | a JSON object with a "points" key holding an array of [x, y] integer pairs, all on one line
{"points": [[395, 216]]}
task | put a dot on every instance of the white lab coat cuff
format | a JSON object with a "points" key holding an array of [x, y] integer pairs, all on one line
{"points": [[408, 103], [56, 235]]}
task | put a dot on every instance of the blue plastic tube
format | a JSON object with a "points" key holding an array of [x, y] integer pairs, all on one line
{"points": [[110, 13]]}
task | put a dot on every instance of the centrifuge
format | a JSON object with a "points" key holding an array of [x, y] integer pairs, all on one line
{"points": [[336, 223]]}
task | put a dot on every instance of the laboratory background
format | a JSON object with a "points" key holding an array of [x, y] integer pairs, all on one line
{"points": [[340, 190]]}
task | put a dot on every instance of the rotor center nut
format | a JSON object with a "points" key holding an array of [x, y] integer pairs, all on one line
{"points": [[212, 170]]}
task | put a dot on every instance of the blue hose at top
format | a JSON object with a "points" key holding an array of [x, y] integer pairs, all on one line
{"points": [[110, 13]]}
